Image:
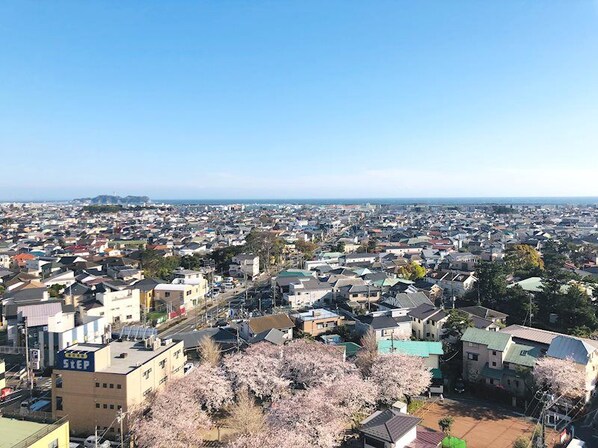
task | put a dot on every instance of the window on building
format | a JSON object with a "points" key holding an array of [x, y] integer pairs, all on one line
{"points": [[59, 403], [105, 406], [111, 386], [493, 363], [146, 374], [97, 405], [163, 363], [119, 407], [374, 442], [111, 406], [163, 380], [147, 392], [166, 294], [129, 316], [494, 352], [104, 385], [97, 384], [491, 381], [53, 444], [59, 381], [177, 354], [118, 386], [472, 356]]}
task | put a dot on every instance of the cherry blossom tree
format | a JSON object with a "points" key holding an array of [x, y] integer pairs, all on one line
{"points": [[560, 376], [308, 364], [313, 415], [171, 418], [258, 369], [398, 375], [355, 397], [271, 438], [209, 387]]}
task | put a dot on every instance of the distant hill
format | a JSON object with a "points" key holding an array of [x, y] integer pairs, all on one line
{"points": [[105, 199]]}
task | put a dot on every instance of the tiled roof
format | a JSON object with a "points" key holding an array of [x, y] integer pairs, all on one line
{"points": [[389, 425]]}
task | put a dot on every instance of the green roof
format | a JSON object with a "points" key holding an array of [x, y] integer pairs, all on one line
{"points": [[532, 284], [523, 355], [422, 349], [493, 339], [14, 431], [295, 273], [351, 348]]}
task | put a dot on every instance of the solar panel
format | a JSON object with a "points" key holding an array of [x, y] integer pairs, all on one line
{"points": [[136, 332]]}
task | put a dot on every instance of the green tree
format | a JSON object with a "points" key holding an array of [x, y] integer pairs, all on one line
{"points": [[575, 309], [456, 324], [446, 424], [155, 265], [523, 260], [54, 290], [491, 286], [307, 248], [412, 271]]}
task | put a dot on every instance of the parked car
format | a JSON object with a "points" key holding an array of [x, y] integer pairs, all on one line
{"points": [[5, 392], [459, 386], [90, 442], [188, 367]]}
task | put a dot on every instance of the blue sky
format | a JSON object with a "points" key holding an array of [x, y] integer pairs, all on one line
{"points": [[275, 99]]}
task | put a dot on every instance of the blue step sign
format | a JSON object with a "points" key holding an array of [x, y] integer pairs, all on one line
{"points": [[75, 360]]}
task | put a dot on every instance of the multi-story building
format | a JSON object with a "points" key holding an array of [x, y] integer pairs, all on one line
{"points": [[115, 305], [316, 322], [92, 383], [245, 265], [307, 291], [177, 298]]}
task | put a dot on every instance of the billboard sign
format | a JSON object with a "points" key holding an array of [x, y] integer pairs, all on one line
{"points": [[75, 360]]}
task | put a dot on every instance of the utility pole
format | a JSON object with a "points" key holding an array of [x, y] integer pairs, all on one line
{"points": [[121, 420], [27, 360]]}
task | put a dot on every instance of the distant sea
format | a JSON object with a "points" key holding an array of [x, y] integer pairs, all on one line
{"points": [[569, 200], [588, 200]]}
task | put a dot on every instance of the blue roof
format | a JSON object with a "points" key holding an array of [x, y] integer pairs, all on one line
{"points": [[422, 349]]}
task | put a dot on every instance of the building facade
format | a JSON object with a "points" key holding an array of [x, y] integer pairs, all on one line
{"points": [[92, 383]]}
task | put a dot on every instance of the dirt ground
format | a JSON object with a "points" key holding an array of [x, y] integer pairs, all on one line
{"points": [[480, 425]]}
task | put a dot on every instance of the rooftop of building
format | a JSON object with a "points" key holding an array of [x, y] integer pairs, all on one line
{"points": [[16, 431], [136, 354], [319, 313]]}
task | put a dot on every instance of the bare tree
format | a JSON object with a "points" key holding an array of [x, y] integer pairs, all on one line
{"points": [[209, 352], [245, 416], [368, 353]]}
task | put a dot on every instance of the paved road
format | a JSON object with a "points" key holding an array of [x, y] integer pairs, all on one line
{"points": [[196, 317]]}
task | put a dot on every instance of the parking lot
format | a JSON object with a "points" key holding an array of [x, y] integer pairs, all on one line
{"points": [[480, 425]]}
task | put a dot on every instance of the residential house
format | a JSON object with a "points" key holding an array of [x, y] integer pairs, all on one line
{"points": [[316, 322], [455, 283], [392, 428], [253, 327], [494, 358], [245, 265], [427, 322], [307, 292], [384, 325], [114, 304], [177, 298]]}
